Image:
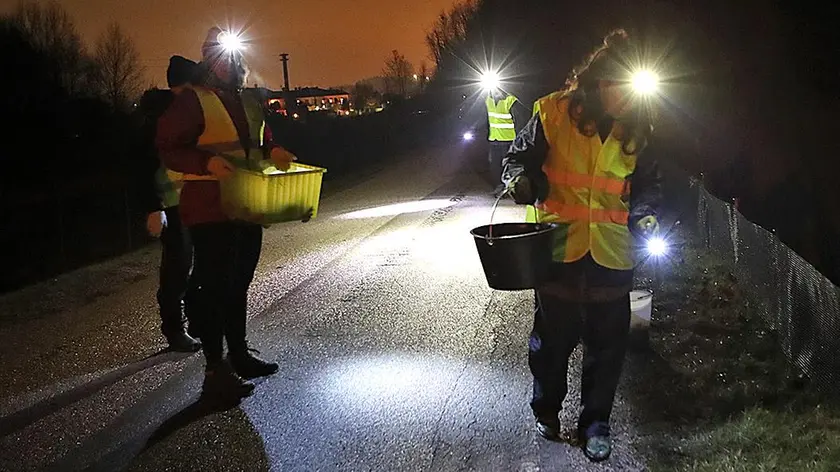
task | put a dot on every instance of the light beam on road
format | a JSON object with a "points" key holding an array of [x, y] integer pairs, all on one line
{"points": [[397, 209], [402, 383]]}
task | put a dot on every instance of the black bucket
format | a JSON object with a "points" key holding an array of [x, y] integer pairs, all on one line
{"points": [[519, 255]]}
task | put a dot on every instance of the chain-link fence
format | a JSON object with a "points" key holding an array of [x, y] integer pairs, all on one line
{"points": [[796, 301]]}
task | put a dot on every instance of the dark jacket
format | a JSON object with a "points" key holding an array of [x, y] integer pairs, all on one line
{"points": [[151, 107], [530, 149], [521, 115]]}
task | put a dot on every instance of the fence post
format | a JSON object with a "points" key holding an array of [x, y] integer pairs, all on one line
{"points": [[733, 224]]}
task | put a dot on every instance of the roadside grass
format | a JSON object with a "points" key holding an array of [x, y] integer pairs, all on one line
{"points": [[711, 387]]}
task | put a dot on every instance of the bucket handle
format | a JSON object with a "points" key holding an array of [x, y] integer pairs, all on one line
{"points": [[648, 294], [493, 213]]}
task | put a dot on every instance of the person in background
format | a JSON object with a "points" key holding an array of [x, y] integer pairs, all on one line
{"points": [[204, 122], [506, 115], [176, 294], [583, 162]]}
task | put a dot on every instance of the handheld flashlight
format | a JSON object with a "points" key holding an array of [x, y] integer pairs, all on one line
{"points": [[468, 136], [657, 247]]}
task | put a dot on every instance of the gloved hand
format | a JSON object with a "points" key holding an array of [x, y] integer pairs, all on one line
{"points": [[648, 226], [155, 223], [522, 191], [220, 167], [281, 158]]}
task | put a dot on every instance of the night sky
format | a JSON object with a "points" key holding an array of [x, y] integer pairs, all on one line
{"points": [[331, 42]]}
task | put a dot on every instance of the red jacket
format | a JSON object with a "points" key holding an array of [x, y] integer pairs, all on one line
{"points": [[177, 137]]}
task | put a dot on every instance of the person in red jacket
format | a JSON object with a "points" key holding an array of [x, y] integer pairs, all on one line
{"points": [[212, 118]]}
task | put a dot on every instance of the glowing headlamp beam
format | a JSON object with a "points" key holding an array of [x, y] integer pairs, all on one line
{"points": [[230, 42], [645, 82], [490, 81]]}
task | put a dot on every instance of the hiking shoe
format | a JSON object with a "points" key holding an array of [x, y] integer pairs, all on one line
{"points": [[548, 426], [597, 445], [182, 342], [249, 366], [222, 385]]}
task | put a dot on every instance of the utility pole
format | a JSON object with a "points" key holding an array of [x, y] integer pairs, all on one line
{"points": [[284, 58]]}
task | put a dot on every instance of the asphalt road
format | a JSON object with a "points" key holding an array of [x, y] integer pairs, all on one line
{"points": [[394, 354]]}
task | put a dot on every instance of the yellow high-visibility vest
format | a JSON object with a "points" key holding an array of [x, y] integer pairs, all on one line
{"points": [[588, 189], [500, 119], [220, 134]]}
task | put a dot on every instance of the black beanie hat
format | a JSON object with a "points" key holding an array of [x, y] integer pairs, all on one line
{"points": [[181, 71]]}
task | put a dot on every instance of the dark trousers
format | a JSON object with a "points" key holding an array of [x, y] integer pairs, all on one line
{"points": [[177, 293], [558, 327], [226, 256], [497, 150]]}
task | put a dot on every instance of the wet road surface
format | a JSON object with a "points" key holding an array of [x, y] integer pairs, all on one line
{"points": [[394, 354]]}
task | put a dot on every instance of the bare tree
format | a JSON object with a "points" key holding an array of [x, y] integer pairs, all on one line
{"points": [[398, 72], [364, 96], [449, 29], [120, 73], [51, 30], [423, 76]]}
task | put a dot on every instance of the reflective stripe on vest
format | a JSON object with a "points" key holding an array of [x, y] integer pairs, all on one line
{"points": [[588, 190], [596, 182], [220, 135], [500, 119], [580, 212]]}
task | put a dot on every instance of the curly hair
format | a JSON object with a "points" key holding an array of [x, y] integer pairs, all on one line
{"points": [[610, 61]]}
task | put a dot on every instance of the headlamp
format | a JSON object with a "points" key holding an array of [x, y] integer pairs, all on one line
{"points": [[230, 42], [490, 81], [645, 82]]}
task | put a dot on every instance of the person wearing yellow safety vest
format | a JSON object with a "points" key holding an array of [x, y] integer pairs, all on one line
{"points": [[177, 291], [583, 161], [205, 122], [505, 116]]}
